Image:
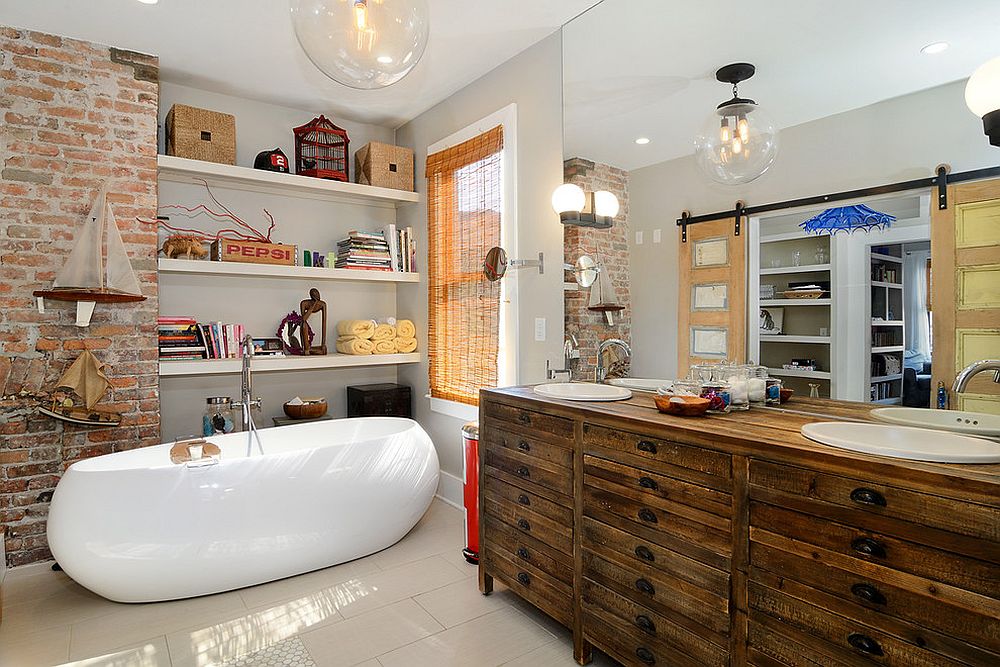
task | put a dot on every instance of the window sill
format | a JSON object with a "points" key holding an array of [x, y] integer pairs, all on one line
{"points": [[464, 411]]}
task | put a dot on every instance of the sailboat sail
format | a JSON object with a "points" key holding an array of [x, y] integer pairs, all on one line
{"points": [[119, 269], [84, 267]]}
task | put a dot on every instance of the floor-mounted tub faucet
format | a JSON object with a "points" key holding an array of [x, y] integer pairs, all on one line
{"points": [[247, 402], [973, 369]]}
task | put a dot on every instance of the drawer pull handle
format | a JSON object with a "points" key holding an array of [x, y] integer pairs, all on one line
{"points": [[646, 446], [868, 547], [645, 624], [523, 500], [868, 593], [644, 553], [524, 418], [523, 524], [648, 483], [523, 553], [524, 446], [645, 655], [864, 496], [647, 515], [524, 578], [865, 644], [523, 471], [645, 587]]}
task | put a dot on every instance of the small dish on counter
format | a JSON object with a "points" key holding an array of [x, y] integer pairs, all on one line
{"points": [[786, 394], [305, 408], [683, 406]]}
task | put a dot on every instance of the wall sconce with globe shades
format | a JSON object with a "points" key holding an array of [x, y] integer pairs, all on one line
{"points": [[982, 96], [585, 209]]}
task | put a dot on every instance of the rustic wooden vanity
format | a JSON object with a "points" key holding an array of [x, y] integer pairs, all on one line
{"points": [[733, 540]]}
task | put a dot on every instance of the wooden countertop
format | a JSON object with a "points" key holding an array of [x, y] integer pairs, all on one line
{"points": [[773, 432]]}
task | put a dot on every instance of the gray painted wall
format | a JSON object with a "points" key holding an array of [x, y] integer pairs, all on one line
{"points": [[533, 81], [899, 139]]}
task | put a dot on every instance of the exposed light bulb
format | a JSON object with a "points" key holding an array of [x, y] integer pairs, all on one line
{"points": [[744, 129], [361, 14], [606, 204], [737, 146], [724, 134]]}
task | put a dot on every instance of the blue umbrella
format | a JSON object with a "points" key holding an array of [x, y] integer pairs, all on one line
{"points": [[847, 219]]}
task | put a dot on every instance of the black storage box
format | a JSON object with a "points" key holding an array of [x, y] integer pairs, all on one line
{"points": [[379, 400]]}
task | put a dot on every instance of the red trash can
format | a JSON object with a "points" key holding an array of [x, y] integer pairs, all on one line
{"points": [[470, 479]]}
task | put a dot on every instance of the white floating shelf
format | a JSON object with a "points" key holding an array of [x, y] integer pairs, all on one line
{"points": [[889, 401], [795, 302], [889, 348], [887, 323], [819, 340], [570, 287], [877, 283], [207, 268], [292, 363], [183, 170], [796, 373], [887, 378], [810, 268], [886, 258]]}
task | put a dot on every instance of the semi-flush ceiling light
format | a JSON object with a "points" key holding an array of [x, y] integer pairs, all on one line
{"points": [[848, 219], [576, 207], [739, 141], [935, 48], [363, 44], [642, 141], [982, 96]]}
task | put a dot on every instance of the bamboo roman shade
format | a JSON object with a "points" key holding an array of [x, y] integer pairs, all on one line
{"points": [[464, 197]]}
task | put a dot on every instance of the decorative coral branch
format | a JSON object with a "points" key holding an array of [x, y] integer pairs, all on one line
{"points": [[242, 232]]}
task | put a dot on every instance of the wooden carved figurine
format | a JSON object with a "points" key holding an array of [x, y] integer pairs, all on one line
{"points": [[189, 247], [307, 308]]}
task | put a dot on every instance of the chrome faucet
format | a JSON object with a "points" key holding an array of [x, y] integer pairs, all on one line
{"points": [[247, 403], [600, 372], [973, 369], [571, 359]]}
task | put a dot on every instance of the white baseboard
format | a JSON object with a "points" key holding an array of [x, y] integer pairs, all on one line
{"points": [[450, 489]]}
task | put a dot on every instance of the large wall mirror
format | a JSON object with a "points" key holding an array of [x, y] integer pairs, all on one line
{"points": [[857, 99]]}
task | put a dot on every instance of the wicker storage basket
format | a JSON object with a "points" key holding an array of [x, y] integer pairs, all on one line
{"points": [[200, 134], [384, 165]]}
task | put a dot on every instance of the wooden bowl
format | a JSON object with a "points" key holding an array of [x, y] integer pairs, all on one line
{"points": [[786, 394], [684, 406], [311, 408]]}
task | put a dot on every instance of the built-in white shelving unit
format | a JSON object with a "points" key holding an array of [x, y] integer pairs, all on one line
{"points": [[270, 364], [781, 270], [207, 268], [799, 373], [818, 340]]}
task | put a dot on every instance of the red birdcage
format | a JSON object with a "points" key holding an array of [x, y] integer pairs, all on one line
{"points": [[321, 150]]}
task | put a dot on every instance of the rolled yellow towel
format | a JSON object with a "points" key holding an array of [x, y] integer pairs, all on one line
{"points": [[405, 329], [351, 345], [384, 332], [385, 346], [357, 328], [406, 345]]}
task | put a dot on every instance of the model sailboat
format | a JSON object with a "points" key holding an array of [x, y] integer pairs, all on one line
{"points": [[86, 379], [98, 269]]}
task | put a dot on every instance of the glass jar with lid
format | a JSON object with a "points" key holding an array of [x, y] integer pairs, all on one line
{"points": [[757, 384], [218, 417], [737, 376]]}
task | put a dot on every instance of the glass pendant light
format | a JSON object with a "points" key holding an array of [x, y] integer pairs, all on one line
{"points": [[739, 141], [363, 44]]}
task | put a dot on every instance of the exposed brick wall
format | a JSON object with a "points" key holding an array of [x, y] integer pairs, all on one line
{"points": [[610, 248], [71, 115]]}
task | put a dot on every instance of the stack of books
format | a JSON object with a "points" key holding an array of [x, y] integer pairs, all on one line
{"points": [[402, 248], [179, 338], [364, 250], [223, 340]]}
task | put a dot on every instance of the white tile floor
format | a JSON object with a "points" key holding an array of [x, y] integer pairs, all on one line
{"points": [[414, 604]]}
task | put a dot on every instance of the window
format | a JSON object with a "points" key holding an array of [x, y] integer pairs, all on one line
{"points": [[465, 200]]}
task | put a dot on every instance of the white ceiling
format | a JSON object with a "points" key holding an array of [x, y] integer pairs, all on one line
{"points": [[247, 47], [647, 67]]}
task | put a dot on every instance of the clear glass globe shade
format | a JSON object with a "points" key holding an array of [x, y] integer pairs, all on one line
{"points": [[363, 44], [568, 197], [982, 92], [606, 204], [730, 156]]}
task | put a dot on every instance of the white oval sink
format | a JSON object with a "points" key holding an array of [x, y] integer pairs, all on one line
{"points": [[640, 384], [903, 442], [583, 391], [973, 423]]}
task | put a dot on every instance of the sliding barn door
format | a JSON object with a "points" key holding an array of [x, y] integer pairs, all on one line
{"points": [[712, 304], [965, 278]]}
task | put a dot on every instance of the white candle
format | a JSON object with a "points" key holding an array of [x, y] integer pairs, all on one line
{"points": [[758, 390], [195, 452]]}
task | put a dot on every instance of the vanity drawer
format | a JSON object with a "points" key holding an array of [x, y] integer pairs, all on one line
{"points": [[844, 639], [628, 550], [840, 544], [551, 531], [658, 486], [935, 611], [534, 585], [686, 605], [645, 625], [502, 440], [517, 546], [705, 543], [674, 456], [538, 423], [504, 493], [831, 494], [530, 469]]}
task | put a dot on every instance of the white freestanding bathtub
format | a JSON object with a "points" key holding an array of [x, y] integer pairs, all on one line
{"points": [[134, 527]]}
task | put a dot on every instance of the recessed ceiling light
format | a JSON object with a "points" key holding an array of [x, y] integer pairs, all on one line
{"points": [[934, 47], [642, 141], [149, 2], [385, 60]]}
